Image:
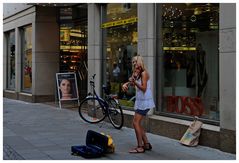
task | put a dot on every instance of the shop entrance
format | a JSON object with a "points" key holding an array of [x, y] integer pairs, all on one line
{"points": [[73, 44]]}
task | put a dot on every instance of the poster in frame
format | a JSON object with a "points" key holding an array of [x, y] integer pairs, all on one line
{"points": [[67, 86]]}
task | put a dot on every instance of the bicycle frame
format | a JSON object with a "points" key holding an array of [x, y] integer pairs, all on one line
{"points": [[108, 105], [103, 103]]}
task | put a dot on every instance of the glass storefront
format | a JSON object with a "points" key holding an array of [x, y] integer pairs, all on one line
{"points": [[73, 43], [190, 59], [120, 27], [11, 60], [26, 46]]}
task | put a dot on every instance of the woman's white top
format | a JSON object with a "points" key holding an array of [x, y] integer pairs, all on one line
{"points": [[144, 100]]}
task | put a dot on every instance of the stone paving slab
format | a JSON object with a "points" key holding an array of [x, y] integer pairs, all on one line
{"points": [[36, 131], [10, 154]]}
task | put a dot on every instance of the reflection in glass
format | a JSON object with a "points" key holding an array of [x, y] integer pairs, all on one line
{"points": [[27, 59], [190, 46], [121, 46], [11, 60]]}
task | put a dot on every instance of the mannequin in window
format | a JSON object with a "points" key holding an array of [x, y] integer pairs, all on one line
{"points": [[191, 72], [201, 70]]}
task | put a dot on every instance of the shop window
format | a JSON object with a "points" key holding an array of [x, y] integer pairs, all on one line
{"points": [[26, 46], [73, 43], [73, 48], [121, 40], [11, 60], [190, 56]]}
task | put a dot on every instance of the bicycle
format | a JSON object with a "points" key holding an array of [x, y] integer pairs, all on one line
{"points": [[94, 109]]}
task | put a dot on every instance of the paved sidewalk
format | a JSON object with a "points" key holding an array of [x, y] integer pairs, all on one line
{"points": [[33, 131]]}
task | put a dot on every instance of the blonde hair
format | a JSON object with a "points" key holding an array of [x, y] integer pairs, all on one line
{"points": [[140, 62]]}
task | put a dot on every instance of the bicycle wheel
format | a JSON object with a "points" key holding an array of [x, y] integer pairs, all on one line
{"points": [[115, 114], [91, 111]]}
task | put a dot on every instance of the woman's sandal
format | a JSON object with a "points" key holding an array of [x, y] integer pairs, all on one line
{"points": [[147, 146], [139, 149]]}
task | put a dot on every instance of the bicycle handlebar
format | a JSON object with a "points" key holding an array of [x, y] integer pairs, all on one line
{"points": [[92, 80], [93, 77]]}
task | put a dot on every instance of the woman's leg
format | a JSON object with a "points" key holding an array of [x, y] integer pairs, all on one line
{"points": [[147, 145], [144, 137], [138, 128]]}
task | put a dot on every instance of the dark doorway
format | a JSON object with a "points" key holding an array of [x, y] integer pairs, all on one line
{"points": [[73, 43]]}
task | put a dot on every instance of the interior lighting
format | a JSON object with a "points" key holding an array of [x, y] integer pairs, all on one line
{"points": [[172, 13], [197, 11]]}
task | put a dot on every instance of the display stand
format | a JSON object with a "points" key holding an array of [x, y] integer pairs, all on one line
{"points": [[67, 87]]}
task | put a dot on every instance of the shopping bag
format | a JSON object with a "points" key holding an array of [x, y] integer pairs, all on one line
{"points": [[191, 136]]}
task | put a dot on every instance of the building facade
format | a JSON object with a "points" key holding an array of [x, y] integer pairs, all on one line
{"points": [[188, 49]]}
